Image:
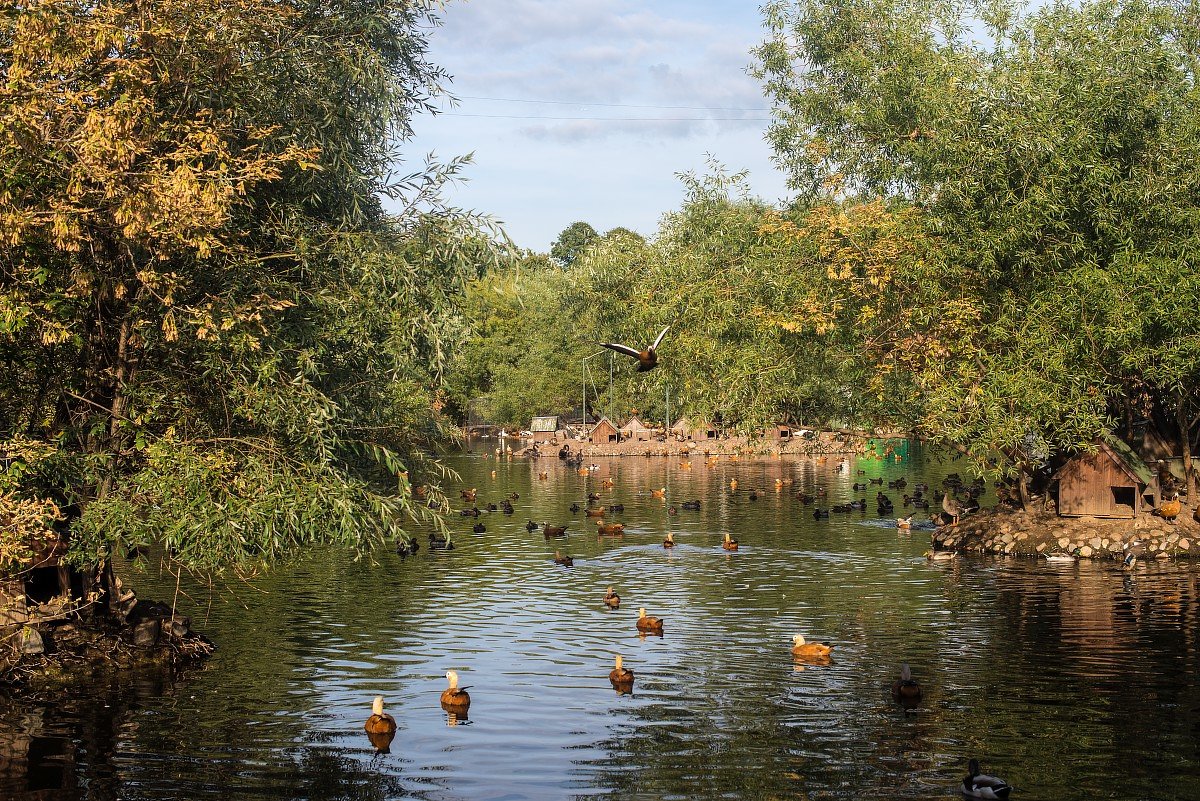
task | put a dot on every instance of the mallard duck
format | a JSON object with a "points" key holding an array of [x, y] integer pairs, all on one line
{"points": [[1169, 510], [574, 508], [980, 785], [440, 542], [730, 544], [809, 650], [669, 542], [940, 556], [610, 529], [611, 599], [647, 359], [653, 625], [692, 505], [380, 722], [1060, 556], [565, 561], [621, 677], [454, 698], [951, 507], [905, 688]]}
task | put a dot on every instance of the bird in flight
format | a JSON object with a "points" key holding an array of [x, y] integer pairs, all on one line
{"points": [[647, 359]]}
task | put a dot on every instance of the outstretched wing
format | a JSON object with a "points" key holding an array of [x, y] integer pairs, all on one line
{"points": [[661, 334], [628, 351]]}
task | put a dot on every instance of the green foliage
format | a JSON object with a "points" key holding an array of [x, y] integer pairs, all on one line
{"points": [[572, 242], [1050, 167], [203, 305]]}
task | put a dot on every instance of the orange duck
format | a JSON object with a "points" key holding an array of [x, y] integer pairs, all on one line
{"points": [[645, 623], [729, 544], [611, 599], [621, 677], [809, 650], [669, 542], [610, 529], [454, 698]]}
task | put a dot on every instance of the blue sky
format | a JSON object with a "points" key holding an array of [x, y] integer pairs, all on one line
{"points": [[632, 93]]}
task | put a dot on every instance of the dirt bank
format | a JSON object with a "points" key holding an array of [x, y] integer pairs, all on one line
{"points": [[820, 443]]}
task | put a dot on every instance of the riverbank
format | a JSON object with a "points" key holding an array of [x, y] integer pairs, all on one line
{"points": [[820, 443], [1043, 533]]}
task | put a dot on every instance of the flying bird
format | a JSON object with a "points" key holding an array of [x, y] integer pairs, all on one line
{"points": [[647, 359]]}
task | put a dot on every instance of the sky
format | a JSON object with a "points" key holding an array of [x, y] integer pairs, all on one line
{"points": [[588, 109]]}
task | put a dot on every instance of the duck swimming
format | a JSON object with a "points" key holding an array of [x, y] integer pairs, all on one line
{"points": [[809, 650], [905, 689], [621, 677], [669, 542], [380, 727], [647, 359], [730, 544], [549, 531], [610, 529], [980, 785], [611, 599], [653, 625], [565, 561], [454, 698]]}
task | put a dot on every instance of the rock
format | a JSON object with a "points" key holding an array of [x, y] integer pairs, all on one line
{"points": [[31, 641], [1041, 546], [1064, 542], [1094, 542], [1085, 550], [1185, 543], [145, 634]]}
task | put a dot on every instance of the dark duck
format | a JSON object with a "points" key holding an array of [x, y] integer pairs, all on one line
{"points": [[647, 359]]}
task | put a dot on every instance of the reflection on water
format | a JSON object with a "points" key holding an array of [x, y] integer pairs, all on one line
{"points": [[1070, 680]]}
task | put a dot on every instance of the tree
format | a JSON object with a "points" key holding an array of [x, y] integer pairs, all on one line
{"points": [[203, 306], [1053, 154], [571, 242]]}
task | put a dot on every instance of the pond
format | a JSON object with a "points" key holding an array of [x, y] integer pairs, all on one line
{"points": [[1071, 681]]}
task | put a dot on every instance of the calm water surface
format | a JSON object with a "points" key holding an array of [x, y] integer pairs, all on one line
{"points": [[1072, 682]]}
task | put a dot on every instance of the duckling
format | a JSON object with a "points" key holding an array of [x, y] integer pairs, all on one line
{"points": [[574, 508], [669, 542], [531, 526], [616, 507], [611, 599], [621, 677], [659, 493], [479, 528], [980, 785], [753, 494], [729, 544], [549, 531], [905, 689], [454, 698], [647, 359], [380, 727], [809, 650], [610, 529], [652, 625], [565, 561]]}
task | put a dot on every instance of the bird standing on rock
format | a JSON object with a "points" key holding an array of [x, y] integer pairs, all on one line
{"points": [[647, 359]]}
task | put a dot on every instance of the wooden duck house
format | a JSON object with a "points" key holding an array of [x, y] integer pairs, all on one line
{"points": [[544, 429], [1111, 482], [604, 432]]}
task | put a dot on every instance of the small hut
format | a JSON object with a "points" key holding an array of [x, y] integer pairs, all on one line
{"points": [[544, 429], [681, 429], [604, 432], [705, 431], [636, 430], [1112, 482], [780, 432]]}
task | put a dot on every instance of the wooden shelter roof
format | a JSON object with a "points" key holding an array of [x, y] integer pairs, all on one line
{"points": [[545, 424]]}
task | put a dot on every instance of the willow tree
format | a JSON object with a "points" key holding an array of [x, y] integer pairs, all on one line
{"points": [[1043, 153], [204, 307]]}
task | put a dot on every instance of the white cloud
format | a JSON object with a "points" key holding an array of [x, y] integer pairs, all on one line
{"points": [[647, 59]]}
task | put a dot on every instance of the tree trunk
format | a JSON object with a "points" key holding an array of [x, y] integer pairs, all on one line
{"points": [[1023, 487]]}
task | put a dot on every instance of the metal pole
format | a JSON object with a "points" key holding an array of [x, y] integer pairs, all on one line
{"points": [[583, 409], [668, 411], [611, 356]]}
